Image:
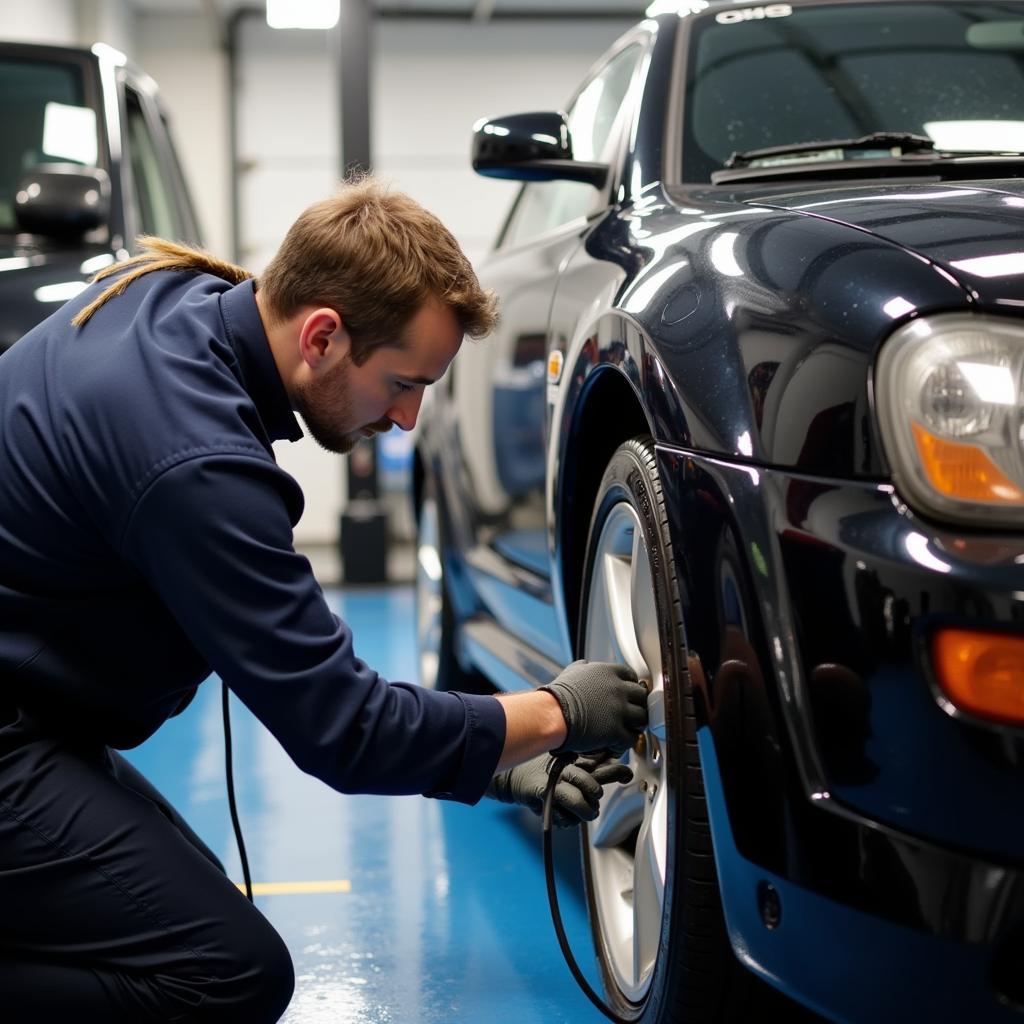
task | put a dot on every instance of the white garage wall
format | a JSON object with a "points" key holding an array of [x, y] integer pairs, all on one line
{"points": [[432, 79], [288, 143], [43, 21], [68, 22], [182, 52]]}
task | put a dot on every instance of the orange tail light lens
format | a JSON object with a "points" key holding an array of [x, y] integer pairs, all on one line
{"points": [[982, 673]]}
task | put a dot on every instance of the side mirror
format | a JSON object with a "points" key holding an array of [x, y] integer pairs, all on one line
{"points": [[531, 147], [62, 199]]}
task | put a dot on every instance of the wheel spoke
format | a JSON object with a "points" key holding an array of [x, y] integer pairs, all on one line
{"points": [[643, 612], [617, 573], [627, 844], [648, 892], [656, 711], [617, 909], [622, 809]]}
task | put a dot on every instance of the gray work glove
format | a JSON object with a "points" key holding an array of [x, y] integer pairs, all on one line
{"points": [[603, 704], [577, 795]]}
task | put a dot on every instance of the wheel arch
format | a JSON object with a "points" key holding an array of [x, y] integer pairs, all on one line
{"points": [[726, 571], [608, 412]]}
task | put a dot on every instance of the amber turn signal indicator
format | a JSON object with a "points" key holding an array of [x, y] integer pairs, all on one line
{"points": [[981, 673], [556, 360], [963, 471]]}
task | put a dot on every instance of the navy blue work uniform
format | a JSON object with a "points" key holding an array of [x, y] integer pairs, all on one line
{"points": [[145, 541]]}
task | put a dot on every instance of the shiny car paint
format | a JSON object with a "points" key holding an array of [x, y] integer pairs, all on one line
{"points": [[738, 325]]}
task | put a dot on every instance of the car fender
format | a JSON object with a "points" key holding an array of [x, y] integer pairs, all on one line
{"points": [[593, 407]]}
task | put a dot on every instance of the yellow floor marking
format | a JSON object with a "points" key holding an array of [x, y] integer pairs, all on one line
{"points": [[297, 888]]}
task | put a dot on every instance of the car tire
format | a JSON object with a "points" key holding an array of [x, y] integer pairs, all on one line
{"points": [[439, 668], [648, 863]]}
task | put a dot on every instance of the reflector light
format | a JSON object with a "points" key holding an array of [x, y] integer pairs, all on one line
{"points": [[963, 471], [981, 673]]}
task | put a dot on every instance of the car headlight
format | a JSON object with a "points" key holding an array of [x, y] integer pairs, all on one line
{"points": [[950, 397]]}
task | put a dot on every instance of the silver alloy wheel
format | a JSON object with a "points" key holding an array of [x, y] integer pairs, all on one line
{"points": [[626, 846], [429, 593]]}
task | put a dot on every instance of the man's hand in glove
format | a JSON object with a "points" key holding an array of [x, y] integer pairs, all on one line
{"points": [[577, 795], [604, 706]]}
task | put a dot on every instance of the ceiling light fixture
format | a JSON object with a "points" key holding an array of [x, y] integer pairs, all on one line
{"points": [[303, 13]]}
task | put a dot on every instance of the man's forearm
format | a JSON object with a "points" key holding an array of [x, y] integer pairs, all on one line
{"points": [[534, 724]]}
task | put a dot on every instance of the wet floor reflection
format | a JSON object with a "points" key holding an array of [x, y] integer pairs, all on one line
{"points": [[447, 917]]}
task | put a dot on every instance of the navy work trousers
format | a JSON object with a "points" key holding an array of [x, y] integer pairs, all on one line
{"points": [[111, 909]]}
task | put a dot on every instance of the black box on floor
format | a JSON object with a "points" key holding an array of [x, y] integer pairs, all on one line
{"points": [[364, 542]]}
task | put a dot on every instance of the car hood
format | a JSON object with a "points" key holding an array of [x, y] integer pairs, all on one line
{"points": [[972, 230], [35, 282]]}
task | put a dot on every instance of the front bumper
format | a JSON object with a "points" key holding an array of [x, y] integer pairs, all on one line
{"points": [[891, 833], [855, 966]]}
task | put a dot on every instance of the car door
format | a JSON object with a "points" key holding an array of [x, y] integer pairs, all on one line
{"points": [[499, 386]]}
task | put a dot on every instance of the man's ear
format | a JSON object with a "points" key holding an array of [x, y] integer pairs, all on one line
{"points": [[322, 335]]}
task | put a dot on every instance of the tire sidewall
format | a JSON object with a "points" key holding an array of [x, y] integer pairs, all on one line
{"points": [[629, 478]]}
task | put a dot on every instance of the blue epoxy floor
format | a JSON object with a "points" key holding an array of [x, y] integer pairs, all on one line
{"points": [[447, 917]]}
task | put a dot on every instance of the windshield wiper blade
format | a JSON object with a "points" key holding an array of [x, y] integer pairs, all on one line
{"points": [[906, 142]]}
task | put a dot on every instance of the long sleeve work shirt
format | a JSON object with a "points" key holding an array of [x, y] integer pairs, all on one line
{"points": [[146, 540]]}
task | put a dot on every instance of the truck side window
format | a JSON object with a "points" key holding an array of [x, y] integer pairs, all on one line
{"points": [[154, 197]]}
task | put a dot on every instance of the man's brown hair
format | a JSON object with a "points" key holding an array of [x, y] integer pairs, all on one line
{"points": [[372, 254]]}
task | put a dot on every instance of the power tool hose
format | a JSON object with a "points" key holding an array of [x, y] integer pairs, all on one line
{"points": [[233, 807], [555, 770]]}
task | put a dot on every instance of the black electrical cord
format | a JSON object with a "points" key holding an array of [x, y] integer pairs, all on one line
{"points": [[229, 771], [555, 770]]}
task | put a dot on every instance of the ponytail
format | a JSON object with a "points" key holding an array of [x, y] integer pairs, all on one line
{"points": [[159, 254]]}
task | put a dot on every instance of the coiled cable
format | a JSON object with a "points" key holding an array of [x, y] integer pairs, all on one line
{"points": [[555, 770]]}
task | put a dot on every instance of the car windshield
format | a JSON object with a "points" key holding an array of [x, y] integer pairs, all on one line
{"points": [[780, 75], [45, 120]]}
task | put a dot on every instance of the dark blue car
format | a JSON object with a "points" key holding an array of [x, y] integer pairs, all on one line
{"points": [[753, 423]]}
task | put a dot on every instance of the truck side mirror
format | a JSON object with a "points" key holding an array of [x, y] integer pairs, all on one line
{"points": [[62, 199]]}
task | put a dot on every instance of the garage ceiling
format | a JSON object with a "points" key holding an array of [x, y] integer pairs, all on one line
{"points": [[479, 9]]}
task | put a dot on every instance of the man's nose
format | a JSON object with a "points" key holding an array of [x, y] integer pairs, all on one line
{"points": [[406, 410]]}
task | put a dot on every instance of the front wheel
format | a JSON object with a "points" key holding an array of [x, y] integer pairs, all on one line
{"points": [[652, 889]]}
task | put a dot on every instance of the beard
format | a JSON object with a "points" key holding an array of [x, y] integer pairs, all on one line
{"points": [[324, 407]]}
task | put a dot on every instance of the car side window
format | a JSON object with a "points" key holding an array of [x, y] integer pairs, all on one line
{"points": [[545, 205], [153, 192]]}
